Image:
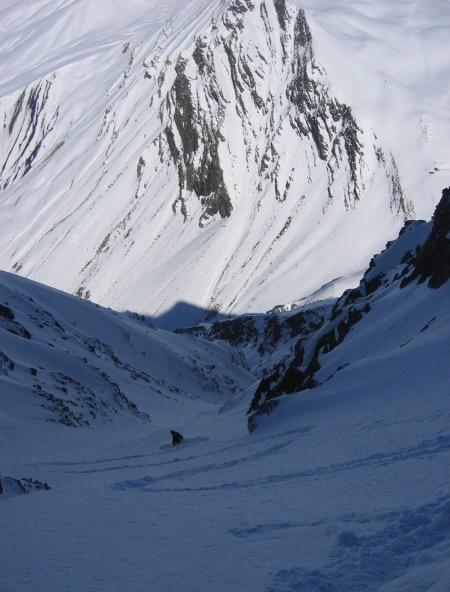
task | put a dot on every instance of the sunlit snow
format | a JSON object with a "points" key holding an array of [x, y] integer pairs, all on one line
{"points": [[98, 77]]}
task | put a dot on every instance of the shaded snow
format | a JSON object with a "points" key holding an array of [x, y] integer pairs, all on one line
{"points": [[342, 488]]}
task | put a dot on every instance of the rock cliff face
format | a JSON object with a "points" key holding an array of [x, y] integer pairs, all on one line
{"points": [[229, 77], [212, 147], [26, 130]]}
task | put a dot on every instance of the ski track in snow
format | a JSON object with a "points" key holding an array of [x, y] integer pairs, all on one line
{"points": [[343, 488], [264, 511], [367, 522], [424, 449], [368, 562]]}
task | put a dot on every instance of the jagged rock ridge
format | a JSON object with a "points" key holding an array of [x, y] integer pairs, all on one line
{"points": [[393, 270], [290, 352]]}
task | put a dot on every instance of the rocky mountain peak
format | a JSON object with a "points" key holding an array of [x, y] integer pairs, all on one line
{"points": [[224, 121]]}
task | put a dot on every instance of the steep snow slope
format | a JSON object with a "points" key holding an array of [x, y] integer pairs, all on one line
{"points": [[306, 347], [68, 361], [396, 321], [203, 151], [342, 488]]}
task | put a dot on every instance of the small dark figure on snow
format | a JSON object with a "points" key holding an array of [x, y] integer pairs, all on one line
{"points": [[177, 438]]}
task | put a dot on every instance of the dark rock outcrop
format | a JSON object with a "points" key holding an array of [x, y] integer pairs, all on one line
{"points": [[429, 261], [10, 486], [197, 159], [432, 261]]}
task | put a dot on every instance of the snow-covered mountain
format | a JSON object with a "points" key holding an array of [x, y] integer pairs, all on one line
{"points": [[183, 163], [397, 316], [382, 331], [341, 484], [218, 153], [69, 361]]}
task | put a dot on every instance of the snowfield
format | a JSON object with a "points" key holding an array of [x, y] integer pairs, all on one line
{"points": [[227, 169], [352, 496], [347, 490]]}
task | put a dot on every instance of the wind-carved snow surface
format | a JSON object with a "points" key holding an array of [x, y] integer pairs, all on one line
{"points": [[193, 152]]}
